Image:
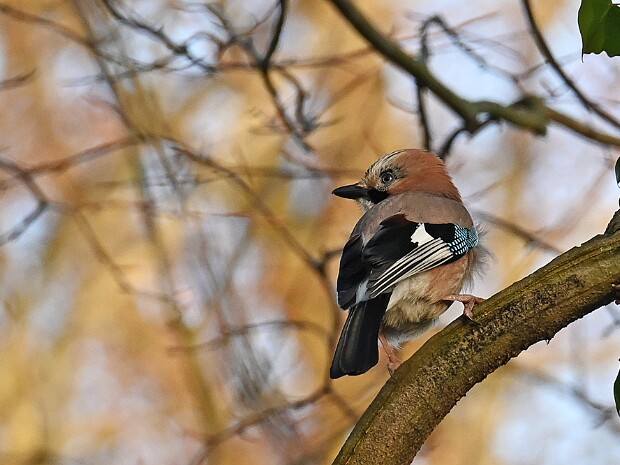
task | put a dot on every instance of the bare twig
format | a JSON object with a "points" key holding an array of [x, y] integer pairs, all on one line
{"points": [[178, 49], [280, 325], [528, 237], [16, 81], [603, 414], [24, 177], [549, 58], [527, 113]]}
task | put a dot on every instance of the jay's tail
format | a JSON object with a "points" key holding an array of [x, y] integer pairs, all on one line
{"points": [[357, 350]]}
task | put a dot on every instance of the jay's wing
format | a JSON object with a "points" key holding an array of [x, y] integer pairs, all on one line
{"points": [[402, 248], [399, 249]]}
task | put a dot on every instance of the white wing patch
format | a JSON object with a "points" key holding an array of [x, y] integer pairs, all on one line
{"points": [[421, 236], [428, 253]]}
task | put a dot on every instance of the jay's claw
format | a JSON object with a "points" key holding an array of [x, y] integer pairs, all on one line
{"points": [[468, 301]]}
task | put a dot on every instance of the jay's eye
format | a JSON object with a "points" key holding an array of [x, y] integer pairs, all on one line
{"points": [[387, 177]]}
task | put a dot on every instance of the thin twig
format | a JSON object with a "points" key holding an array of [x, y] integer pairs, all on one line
{"points": [[42, 203], [550, 59]]}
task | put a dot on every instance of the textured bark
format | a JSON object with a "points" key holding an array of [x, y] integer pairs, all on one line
{"points": [[425, 388]]}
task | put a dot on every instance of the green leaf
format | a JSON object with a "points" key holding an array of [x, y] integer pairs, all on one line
{"points": [[617, 393], [599, 24]]}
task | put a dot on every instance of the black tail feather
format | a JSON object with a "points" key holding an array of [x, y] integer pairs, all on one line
{"points": [[357, 350]]}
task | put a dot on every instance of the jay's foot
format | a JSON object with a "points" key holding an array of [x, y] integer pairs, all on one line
{"points": [[468, 300], [393, 360]]}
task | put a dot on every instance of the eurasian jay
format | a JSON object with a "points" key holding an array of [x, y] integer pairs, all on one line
{"points": [[406, 259]]}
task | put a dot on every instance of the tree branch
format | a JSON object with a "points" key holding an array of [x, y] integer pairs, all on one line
{"points": [[416, 68], [546, 53], [529, 113], [426, 387]]}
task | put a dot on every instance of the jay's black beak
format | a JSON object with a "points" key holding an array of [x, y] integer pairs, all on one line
{"points": [[352, 191]]}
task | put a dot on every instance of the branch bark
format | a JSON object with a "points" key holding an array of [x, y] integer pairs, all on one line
{"points": [[426, 387]]}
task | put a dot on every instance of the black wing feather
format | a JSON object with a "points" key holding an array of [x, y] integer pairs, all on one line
{"points": [[391, 242], [352, 271], [357, 350]]}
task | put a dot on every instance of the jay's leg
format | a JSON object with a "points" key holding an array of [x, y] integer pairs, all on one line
{"points": [[393, 360], [468, 301]]}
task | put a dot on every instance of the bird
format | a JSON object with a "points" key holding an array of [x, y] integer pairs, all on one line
{"points": [[406, 260]]}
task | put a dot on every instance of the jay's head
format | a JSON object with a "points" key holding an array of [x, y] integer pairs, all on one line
{"points": [[409, 170]]}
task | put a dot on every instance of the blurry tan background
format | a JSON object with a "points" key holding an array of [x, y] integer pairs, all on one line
{"points": [[170, 244]]}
